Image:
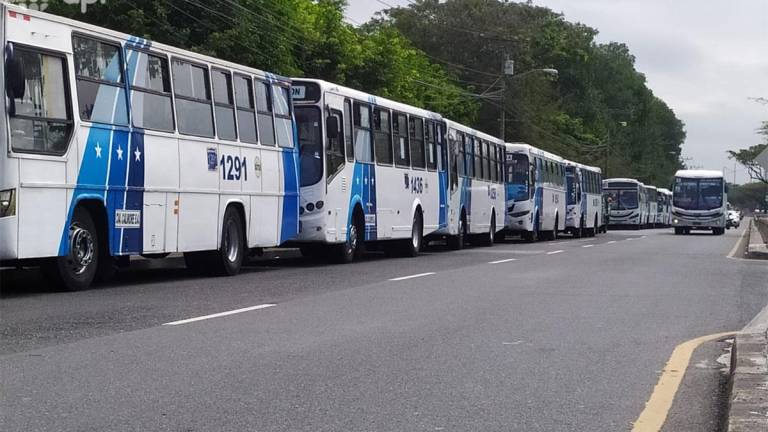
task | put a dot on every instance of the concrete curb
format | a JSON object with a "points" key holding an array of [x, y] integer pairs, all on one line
{"points": [[748, 404], [756, 247]]}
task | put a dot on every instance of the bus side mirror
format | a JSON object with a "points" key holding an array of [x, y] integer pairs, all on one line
{"points": [[15, 84], [332, 127]]}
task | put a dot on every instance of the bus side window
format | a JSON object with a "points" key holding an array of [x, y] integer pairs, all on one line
{"points": [[478, 149], [431, 133], [461, 156], [350, 149], [442, 148], [469, 155], [100, 81], [416, 129], [223, 99], [382, 136], [334, 155], [193, 98], [264, 113], [283, 123], [400, 128], [151, 100], [363, 141], [246, 109], [42, 121], [487, 161], [492, 170]]}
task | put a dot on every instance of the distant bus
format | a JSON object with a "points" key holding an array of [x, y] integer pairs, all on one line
{"points": [[535, 192], [651, 200], [627, 202], [664, 207], [118, 146], [699, 201], [583, 199]]}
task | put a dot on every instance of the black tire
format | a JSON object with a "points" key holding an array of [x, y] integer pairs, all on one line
{"points": [[535, 235], [458, 241], [579, 231], [352, 248], [488, 239], [77, 270], [228, 259], [678, 231], [412, 247]]}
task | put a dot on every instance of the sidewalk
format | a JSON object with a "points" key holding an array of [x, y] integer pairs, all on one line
{"points": [[757, 247], [748, 404]]}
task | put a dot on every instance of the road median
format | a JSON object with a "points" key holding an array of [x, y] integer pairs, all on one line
{"points": [[757, 245]]}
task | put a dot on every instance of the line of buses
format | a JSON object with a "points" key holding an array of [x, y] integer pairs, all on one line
{"points": [[116, 146]]}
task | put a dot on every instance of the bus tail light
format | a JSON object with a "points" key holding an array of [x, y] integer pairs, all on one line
{"points": [[8, 203]]}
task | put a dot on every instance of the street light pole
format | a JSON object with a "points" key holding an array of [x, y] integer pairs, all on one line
{"points": [[507, 68]]}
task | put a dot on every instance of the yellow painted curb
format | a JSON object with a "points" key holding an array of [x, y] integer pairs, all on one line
{"points": [[657, 408]]}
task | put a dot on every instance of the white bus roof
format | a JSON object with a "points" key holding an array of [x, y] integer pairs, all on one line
{"points": [[527, 148], [587, 167], [699, 174], [652, 187], [624, 180], [155, 46], [460, 127], [326, 86], [665, 191]]}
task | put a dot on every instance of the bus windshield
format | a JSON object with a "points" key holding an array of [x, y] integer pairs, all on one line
{"points": [[310, 144], [623, 199], [517, 177], [698, 194]]}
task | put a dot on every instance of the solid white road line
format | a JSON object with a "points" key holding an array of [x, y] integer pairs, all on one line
{"points": [[586, 246], [412, 276], [503, 261], [744, 233], [220, 314], [554, 252]]}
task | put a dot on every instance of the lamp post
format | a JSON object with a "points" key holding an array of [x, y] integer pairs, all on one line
{"points": [[508, 70]]}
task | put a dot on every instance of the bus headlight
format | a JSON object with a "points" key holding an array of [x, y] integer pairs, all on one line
{"points": [[675, 221], [8, 202]]}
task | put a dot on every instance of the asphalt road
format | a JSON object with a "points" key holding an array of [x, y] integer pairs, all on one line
{"points": [[568, 336]]}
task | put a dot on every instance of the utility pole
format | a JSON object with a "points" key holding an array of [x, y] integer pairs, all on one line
{"points": [[507, 69]]}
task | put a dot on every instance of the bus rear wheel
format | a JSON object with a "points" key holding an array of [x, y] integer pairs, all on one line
{"points": [[489, 238], [231, 254], [76, 270], [412, 247]]}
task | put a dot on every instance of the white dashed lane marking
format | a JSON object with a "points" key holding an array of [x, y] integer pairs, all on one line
{"points": [[503, 261], [412, 276], [220, 314]]}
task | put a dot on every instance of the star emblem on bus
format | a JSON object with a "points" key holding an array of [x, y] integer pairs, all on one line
{"points": [[119, 152], [98, 150], [138, 155]]}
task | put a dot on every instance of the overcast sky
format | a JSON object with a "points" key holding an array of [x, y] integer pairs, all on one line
{"points": [[705, 58]]}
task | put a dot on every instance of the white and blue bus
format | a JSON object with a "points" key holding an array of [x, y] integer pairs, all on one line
{"points": [[475, 187], [627, 202], [584, 191], [699, 201], [117, 146], [372, 170], [651, 202], [664, 218], [535, 192]]}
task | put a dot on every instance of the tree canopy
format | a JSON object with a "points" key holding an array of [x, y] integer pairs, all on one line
{"points": [[444, 56]]}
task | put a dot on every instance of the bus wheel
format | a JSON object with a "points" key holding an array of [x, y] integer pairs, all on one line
{"points": [[231, 253], [347, 251], [76, 270], [488, 239], [457, 242], [579, 232], [412, 247]]}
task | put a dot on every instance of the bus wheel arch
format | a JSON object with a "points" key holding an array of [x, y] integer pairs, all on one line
{"points": [[458, 241], [233, 245]]}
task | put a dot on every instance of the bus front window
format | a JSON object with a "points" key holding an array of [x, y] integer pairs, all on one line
{"points": [[623, 199], [698, 194], [310, 145], [517, 177]]}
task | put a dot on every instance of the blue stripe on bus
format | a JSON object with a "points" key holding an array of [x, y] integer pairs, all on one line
{"points": [[443, 217], [363, 192], [290, 216], [538, 196]]}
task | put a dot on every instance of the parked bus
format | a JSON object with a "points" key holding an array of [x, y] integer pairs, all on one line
{"points": [[583, 199], [535, 192], [699, 201], [651, 202], [372, 170], [627, 201], [117, 146], [664, 218], [475, 189]]}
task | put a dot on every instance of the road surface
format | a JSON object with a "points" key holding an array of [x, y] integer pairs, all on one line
{"points": [[558, 336]]}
